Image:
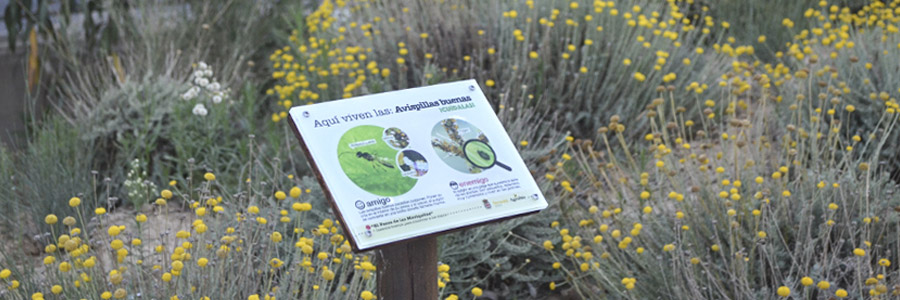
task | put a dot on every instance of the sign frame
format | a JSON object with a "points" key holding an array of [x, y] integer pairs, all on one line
{"points": [[330, 196]]}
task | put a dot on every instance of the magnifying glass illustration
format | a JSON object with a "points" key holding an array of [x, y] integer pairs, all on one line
{"points": [[481, 155]]}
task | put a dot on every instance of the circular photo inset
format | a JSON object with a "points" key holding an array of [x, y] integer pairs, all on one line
{"points": [[370, 162], [448, 138], [412, 163], [396, 138]]}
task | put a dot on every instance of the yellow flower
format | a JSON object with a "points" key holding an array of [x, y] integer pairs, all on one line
{"points": [[823, 285], [489, 83], [841, 293], [328, 275], [90, 262], [275, 263], [120, 293], [668, 247], [51, 219], [176, 266], [444, 268], [476, 291], [182, 234], [166, 194], [116, 244], [533, 55], [301, 206], [784, 291], [56, 289], [209, 176], [280, 195], [5, 273], [74, 201], [639, 76], [141, 218], [114, 230], [806, 281], [276, 237], [65, 267], [859, 252], [367, 295], [295, 192], [850, 108], [202, 262]]}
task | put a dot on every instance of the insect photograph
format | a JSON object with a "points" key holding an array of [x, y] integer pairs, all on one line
{"points": [[448, 138], [396, 138], [372, 158], [412, 163], [369, 161]]}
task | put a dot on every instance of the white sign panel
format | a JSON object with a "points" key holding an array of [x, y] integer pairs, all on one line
{"points": [[404, 164]]}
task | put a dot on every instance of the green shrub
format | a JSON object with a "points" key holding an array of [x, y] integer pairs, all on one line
{"points": [[52, 167]]}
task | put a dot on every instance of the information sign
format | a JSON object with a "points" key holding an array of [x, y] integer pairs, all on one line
{"points": [[415, 162]]}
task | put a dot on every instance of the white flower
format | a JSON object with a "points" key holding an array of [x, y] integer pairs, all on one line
{"points": [[214, 86], [199, 110], [191, 93], [201, 81], [217, 99], [202, 65], [208, 73], [197, 74]]}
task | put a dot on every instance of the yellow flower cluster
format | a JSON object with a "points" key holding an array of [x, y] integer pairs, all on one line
{"points": [[207, 244], [697, 175]]}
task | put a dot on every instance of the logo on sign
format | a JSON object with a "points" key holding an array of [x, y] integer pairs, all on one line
{"points": [[454, 185], [359, 204]]}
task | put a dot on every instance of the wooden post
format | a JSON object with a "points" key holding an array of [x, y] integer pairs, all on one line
{"points": [[408, 270]]}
